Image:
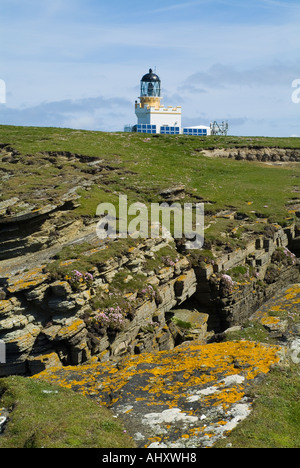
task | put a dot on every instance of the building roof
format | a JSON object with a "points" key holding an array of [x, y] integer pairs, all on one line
{"points": [[196, 126], [150, 76]]}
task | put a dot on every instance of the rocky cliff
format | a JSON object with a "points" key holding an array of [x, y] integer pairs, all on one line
{"points": [[255, 153], [148, 297]]}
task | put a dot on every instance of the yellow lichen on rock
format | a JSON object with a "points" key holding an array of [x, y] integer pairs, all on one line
{"points": [[27, 280], [173, 373]]}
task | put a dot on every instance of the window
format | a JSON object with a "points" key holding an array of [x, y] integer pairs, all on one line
{"points": [[166, 130], [195, 131], [146, 128], [150, 88]]}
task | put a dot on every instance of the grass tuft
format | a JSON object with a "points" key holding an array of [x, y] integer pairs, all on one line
{"points": [[44, 415]]}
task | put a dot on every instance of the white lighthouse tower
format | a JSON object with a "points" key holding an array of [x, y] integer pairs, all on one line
{"points": [[152, 116]]}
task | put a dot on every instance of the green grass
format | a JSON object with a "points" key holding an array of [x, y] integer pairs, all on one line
{"points": [[33, 139], [142, 168], [85, 257], [251, 331], [275, 418], [59, 419], [182, 323], [274, 421]]}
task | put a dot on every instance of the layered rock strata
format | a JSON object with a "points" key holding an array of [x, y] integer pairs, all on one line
{"points": [[255, 154], [46, 322], [43, 322]]}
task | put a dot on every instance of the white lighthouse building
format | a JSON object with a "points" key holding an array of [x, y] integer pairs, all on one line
{"points": [[152, 116]]}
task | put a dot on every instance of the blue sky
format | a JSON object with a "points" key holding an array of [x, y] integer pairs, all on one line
{"points": [[78, 63]]}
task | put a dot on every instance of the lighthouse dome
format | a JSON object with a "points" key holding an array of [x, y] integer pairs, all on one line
{"points": [[150, 85], [150, 76]]}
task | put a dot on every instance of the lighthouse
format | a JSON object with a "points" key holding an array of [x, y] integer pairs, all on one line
{"points": [[152, 116]]}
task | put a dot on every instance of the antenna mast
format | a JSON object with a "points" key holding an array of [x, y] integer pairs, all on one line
{"points": [[219, 129]]}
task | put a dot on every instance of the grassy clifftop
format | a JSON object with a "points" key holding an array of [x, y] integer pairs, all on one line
{"points": [[42, 164]]}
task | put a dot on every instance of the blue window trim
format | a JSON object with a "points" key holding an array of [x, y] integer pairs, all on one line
{"points": [[195, 131]]}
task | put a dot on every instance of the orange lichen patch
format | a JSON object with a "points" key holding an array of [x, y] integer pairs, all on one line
{"points": [[289, 296], [200, 364], [269, 320], [68, 262], [27, 280], [192, 379], [74, 326], [226, 397], [276, 308], [284, 306], [154, 439], [47, 360], [181, 278], [292, 293], [92, 251], [196, 430]]}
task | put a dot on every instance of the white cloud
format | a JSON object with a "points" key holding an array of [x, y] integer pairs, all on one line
{"points": [[63, 53], [92, 113], [82, 122], [269, 74]]}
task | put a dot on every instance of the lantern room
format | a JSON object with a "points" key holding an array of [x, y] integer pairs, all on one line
{"points": [[150, 85]]}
